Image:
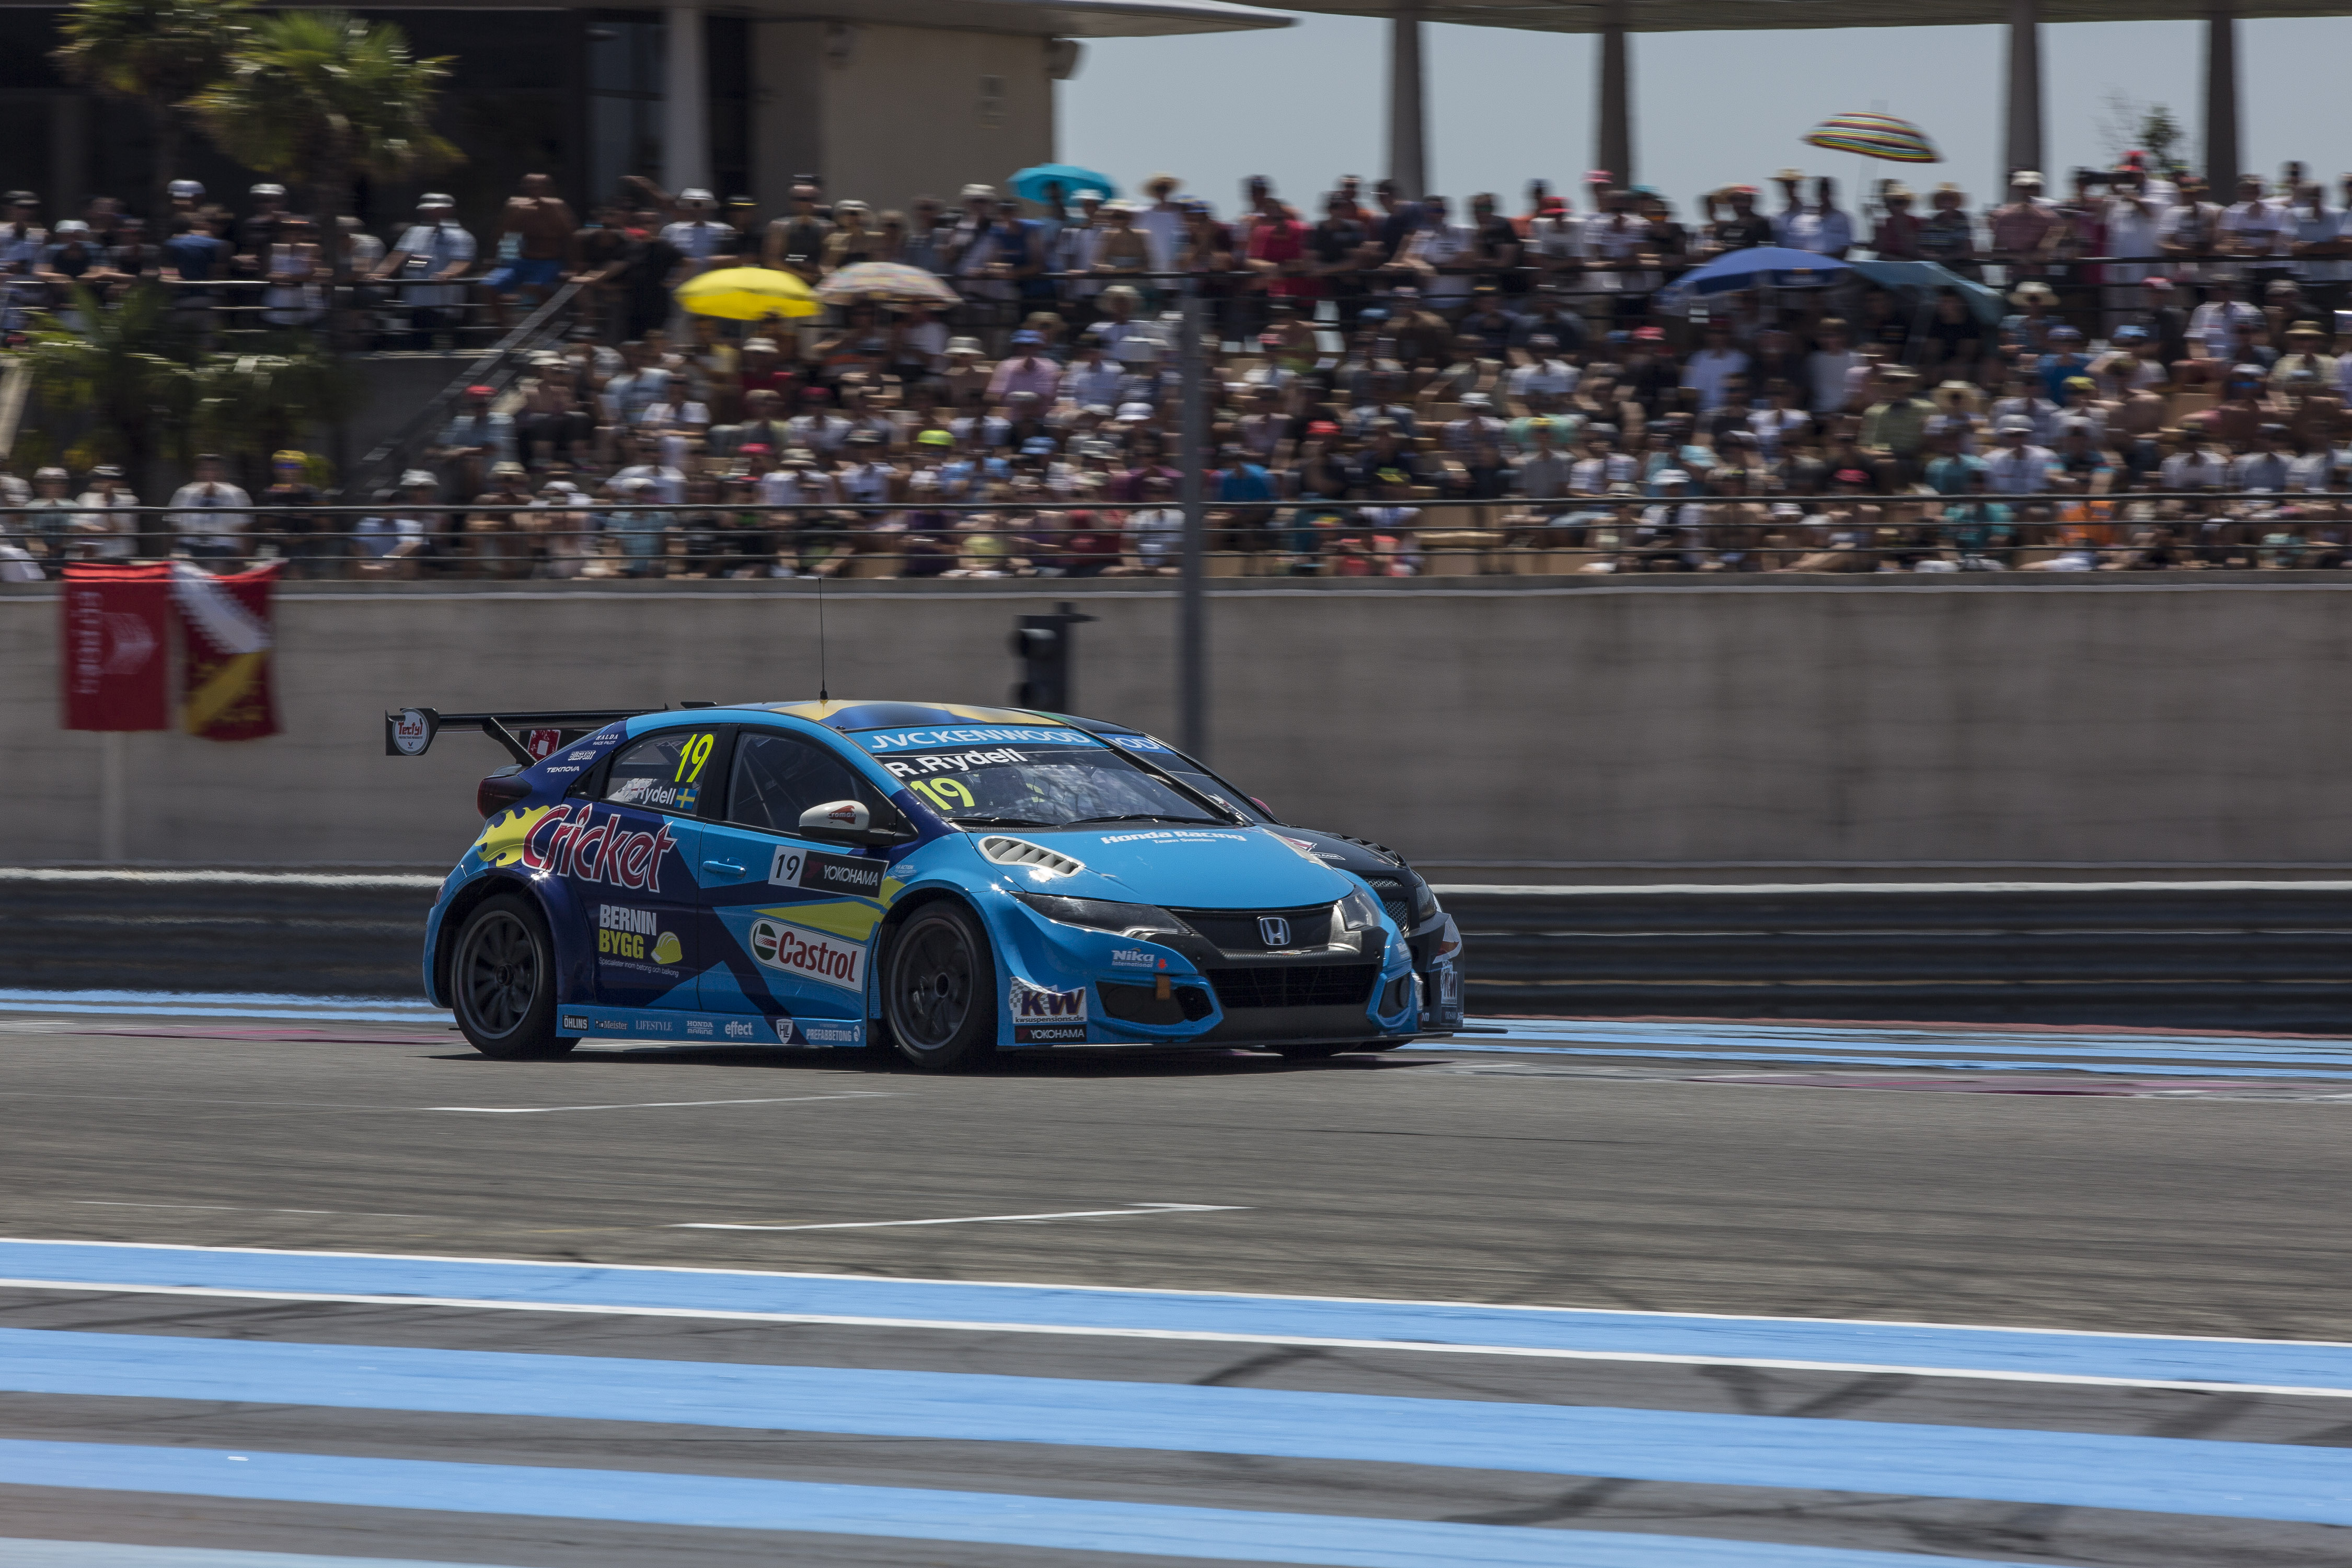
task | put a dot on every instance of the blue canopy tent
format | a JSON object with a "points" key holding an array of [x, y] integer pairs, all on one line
{"points": [[1030, 183], [1759, 266]]}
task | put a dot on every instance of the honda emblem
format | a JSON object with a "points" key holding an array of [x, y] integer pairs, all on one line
{"points": [[1274, 930]]}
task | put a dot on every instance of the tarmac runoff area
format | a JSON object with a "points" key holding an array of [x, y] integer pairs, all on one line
{"points": [[300, 1283]]}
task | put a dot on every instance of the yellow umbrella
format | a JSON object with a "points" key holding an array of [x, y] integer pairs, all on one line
{"points": [[748, 294]]}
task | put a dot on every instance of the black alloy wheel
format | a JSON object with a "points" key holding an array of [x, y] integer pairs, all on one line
{"points": [[502, 981], [939, 996]]}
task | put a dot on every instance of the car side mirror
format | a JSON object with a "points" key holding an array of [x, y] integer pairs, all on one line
{"points": [[852, 821]]}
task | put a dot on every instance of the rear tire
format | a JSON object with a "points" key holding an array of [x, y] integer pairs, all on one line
{"points": [[939, 992], [502, 981]]}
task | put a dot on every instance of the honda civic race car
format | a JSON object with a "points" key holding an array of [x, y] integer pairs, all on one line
{"points": [[943, 881]]}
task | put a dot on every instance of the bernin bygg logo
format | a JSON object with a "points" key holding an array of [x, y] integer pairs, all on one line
{"points": [[813, 954], [620, 932]]}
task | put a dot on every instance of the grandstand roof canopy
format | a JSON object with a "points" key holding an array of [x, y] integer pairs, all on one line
{"points": [[1737, 15]]}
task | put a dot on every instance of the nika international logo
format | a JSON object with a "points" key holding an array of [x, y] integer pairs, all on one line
{"points": [[573, 841]]}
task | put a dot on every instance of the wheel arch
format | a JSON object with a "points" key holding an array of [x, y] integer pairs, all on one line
{"points": [[464, 903]]}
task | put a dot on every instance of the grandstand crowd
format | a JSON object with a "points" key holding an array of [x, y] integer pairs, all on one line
{"points": [[2132, 375]]}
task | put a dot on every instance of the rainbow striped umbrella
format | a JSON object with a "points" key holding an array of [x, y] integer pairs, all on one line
{"points": [[1875, 136]]}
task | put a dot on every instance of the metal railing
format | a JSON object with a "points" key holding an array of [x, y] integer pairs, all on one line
{"points": [[594, 538]]}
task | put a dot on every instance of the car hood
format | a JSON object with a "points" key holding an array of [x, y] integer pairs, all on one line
{"points": [[1184, 867]]}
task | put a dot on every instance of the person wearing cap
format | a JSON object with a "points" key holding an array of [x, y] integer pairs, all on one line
{"points": [[2023, 229], [394, 543], [497, 540], [106, 525], [2017, 467], [256, 231], [428, 258], [1895, 236], [296, 295], [1894, 429], [1025, 368], [696, 232], [795, 242], [535, 232], [853, 239], [306, 540], [2304, 361]]}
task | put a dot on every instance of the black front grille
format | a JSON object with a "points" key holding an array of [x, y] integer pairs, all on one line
{"points": [[1237, 931], [1295, 985], [1394, 898], [1144, 1004]]}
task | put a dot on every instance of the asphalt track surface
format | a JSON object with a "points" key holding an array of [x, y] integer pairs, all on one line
{"points": [[1618, 1296]]}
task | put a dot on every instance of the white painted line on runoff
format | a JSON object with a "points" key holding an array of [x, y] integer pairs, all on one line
{"points": [[1197, 1336], [656, 1104], [1128, 1213], [388, 880], [243, 1208]]}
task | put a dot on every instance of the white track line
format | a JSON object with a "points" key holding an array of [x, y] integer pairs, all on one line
{"points": [[1129, 1213], [1199, 1336], [655, 1104]]}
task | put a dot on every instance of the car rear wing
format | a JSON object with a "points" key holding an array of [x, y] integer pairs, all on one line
{"points": [[528, 737]]}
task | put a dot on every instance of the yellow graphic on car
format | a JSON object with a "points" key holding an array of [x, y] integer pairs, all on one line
{"points": [[502, 836], [667, 950]]}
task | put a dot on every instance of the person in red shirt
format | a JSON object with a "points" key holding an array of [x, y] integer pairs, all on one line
{"points": [[1277, 251]]}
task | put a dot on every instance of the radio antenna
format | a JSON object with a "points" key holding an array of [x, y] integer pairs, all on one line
{"points": [[822, 694]]}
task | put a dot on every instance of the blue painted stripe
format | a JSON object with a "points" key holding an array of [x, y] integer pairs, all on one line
{"points": [[2066, 1469], [20, 1553], [901, 1513], [1964, 1041], [2269, 1363], [1969, 1064], [222, 1005]]}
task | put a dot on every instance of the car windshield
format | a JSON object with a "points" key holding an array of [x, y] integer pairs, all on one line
{"points": [[1045, 784]]}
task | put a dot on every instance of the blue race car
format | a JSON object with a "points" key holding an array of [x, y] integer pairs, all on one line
{"points": [[943, 880]]}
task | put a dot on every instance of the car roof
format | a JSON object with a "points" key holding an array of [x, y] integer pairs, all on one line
{"points": [[863, 713]]}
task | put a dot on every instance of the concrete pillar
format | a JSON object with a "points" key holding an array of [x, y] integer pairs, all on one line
{"points": [[686, 100], [2022, 148], [1408, 121], [2222, 165], [69, 190], [1612, 133]]}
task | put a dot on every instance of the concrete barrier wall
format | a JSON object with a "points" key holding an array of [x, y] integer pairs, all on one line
{"points": [[2112, 720]]}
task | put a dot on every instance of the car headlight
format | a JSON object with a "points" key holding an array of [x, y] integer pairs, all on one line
{"points": [[1101, 914], [1358, 911], [1424, 902]]}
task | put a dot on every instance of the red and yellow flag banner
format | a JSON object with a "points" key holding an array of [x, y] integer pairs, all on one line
{"points": [[227, 630]]}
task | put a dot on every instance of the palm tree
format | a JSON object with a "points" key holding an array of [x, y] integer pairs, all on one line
{"points": [[160, 52], [320, 97]]}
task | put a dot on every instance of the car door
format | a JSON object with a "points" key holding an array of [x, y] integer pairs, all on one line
{"points": [[791, 920], [628, 854]]}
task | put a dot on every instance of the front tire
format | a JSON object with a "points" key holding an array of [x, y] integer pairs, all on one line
{"points": [[939, 994], [502, 981]]}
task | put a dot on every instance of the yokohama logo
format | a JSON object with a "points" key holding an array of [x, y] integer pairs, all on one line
{"points": [[597, 849]]}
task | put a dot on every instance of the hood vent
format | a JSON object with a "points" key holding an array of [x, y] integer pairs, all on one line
{"points": [[1018, 852]]}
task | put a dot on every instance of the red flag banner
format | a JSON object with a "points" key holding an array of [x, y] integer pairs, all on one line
{"points": [[226, 628], [116, 655]]}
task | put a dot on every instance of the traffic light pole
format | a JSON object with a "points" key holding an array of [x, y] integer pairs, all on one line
{"points": [[1193, 630]]}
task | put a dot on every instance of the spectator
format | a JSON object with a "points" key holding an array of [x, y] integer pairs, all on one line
{"points": [[536, 232], [107, 526], [210, 516], [431, 255]]}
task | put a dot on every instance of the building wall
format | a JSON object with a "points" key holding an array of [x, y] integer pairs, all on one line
{"points": [[2113, 723], [889, 113]]}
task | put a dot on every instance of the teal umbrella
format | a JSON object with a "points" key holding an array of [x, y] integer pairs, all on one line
{"points": [[1030, 183], [1925, 278]]}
